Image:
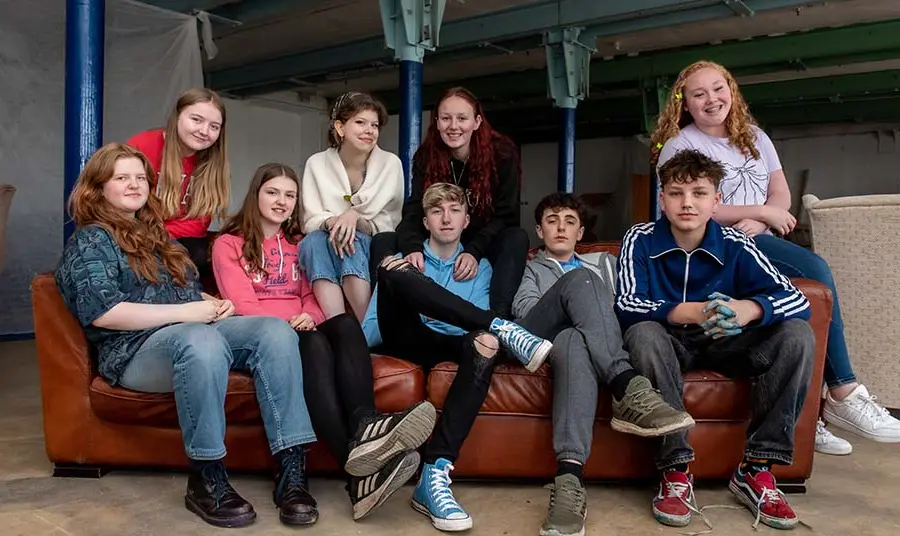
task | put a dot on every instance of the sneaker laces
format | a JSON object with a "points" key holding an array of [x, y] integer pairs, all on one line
{"points": [[517, 339], [294, 475], [571, 497], [648, 399], [871, 408], [439, 484], [680, 490]]}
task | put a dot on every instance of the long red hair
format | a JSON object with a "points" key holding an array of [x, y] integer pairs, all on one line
{"points": [[142, 238], [432, 159]]}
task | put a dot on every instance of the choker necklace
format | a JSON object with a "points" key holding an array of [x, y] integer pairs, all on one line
{"points": [[461, 172]]}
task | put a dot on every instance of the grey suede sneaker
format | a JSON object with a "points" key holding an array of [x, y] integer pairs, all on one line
{"points": [[568, 508], [643, 412]]}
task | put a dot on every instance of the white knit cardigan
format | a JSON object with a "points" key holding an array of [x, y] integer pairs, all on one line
{"points": [[326, 190]]}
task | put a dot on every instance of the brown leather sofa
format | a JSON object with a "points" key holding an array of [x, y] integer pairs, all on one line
{"points": [[90, 426]]}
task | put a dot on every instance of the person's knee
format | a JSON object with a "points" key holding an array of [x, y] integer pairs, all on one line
{"points": [[797, 340], [569, 347], [392, 264], [486, 345], [314, 242], [819, 270], [646, 343], [203, 344]]}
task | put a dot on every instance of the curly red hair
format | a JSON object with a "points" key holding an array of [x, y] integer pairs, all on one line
{"points": [[487, 146]]}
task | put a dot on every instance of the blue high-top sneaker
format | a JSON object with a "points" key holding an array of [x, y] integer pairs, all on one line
{"points": [[529, 349], [434, 498]]}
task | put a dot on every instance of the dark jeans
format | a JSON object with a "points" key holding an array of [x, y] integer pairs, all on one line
{"points": [[577, 315], [507, 255], [779, 358], [198, 249], [337, 380], [402, 296]]}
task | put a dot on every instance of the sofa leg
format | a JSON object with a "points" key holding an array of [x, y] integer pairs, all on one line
{"points": [[792, 486], [77, 470]]}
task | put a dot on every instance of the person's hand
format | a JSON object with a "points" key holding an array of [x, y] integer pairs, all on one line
{"points": [[302, 322], [465, 267], [751, 227], [727, 317], [343, 233], [224, 309], [779, 220], [200, 311], [417, 259]]}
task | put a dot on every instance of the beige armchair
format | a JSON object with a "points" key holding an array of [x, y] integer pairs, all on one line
{"points": [[6, 194], [859, 237]]}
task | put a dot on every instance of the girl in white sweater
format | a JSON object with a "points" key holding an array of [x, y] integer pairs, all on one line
{"points": [[350, 192]]}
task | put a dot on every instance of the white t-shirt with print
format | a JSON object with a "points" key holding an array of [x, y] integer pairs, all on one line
{"points": [[746, 179]]}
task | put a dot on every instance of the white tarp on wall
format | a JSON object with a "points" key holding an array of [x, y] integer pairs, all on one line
{"points": [[152, 55]]}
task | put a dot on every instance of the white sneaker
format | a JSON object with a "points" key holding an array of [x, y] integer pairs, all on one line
{"points": [[860, 414], [828, 443]]}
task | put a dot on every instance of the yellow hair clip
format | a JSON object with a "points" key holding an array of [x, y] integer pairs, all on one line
{"points": [[678, 95], [659, 146]]}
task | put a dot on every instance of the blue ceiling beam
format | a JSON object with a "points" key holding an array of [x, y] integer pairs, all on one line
{"points": [[599, 18]]}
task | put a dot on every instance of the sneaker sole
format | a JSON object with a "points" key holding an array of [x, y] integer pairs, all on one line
{"points": [[631, 428], [848, 426], [409, 434], [225, 522], [401, 475], [540, 355], [446, 525], [774, 522], [555, 532], [671, 520], [834, 452]]}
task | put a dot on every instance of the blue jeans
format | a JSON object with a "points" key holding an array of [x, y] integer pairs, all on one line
{"points": [[319, 261], [193, 360], [796, 261]]}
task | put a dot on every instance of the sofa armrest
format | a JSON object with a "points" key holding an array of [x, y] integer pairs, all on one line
{"points": [[64, 364]]}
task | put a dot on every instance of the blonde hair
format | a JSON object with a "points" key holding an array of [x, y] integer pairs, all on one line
{"points": [[443, 192], [738, 125], [212, 177]]}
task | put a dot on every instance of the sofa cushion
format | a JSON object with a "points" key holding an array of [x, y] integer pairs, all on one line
{"points": [[398, 384], [515, 391]]}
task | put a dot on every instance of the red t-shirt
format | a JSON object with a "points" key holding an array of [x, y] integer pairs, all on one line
{"points": [[151, 144]]}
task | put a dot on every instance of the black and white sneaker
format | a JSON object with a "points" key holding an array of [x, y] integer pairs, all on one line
{"points": [[369, 492], [381, 437]]}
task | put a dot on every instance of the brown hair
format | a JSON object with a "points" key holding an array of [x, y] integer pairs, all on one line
{"points": [[443, 192], [142, 238], [212, 177], [348, 105], [558, 201], [739, 123], [247, 222], [689, 165]]}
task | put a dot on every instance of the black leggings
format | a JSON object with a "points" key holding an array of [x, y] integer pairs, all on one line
{"points": [[507, 254], [402, 296], [198, 249], [337, 380]]}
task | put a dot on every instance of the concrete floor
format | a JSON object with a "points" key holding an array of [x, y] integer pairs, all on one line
{"points": [[852, 495]]}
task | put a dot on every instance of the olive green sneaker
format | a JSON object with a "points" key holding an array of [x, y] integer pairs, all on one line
{"points": [[568, 507], [643, 412]]}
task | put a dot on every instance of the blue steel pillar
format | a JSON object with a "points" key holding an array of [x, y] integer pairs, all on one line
{"points": [[84, 90], [565, 181], [568, 69], [410, 28]]}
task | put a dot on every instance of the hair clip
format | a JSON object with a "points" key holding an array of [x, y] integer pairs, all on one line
{"points": [[678, 95], [347, 198], [659, 146]]}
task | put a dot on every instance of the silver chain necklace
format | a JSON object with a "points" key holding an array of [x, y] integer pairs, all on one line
{"points": [[461, 172]]}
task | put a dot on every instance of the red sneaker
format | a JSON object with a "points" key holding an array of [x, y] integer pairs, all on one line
{"points": [[674, 503], [761, 495]]}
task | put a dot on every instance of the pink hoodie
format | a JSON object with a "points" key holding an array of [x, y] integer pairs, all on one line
{"points": [[285, 293]]}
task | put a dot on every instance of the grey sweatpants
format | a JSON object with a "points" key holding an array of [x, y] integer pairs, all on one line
{"points": [[577, 315]]}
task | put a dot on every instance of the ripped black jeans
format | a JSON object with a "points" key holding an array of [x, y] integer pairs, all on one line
{"points": [[404, 294]]}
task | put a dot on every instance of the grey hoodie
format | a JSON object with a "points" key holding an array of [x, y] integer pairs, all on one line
{"points": [[542, 272]]}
